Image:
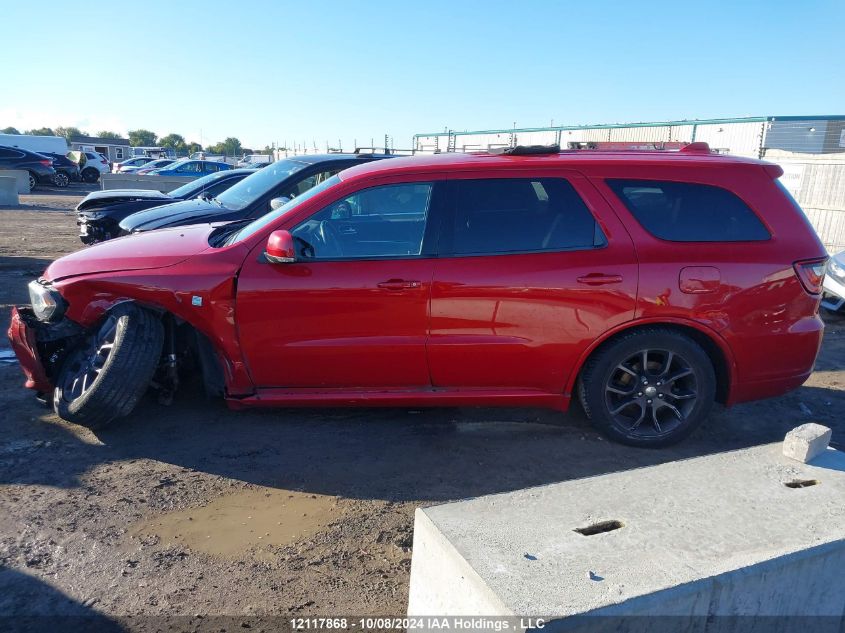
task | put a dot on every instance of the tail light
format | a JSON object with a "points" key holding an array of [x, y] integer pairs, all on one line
{"points": [[46, 163], [811, 274]]}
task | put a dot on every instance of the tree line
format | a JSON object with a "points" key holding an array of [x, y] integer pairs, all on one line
{"points": [[146, 138]]}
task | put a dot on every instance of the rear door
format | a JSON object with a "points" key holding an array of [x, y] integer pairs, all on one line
{"points": [[532, 268]]}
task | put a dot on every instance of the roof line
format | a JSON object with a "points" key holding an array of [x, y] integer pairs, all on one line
{"points": [[606, 126]]}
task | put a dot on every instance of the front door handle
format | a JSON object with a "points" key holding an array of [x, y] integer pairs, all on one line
{"points": [[599, 279], [399, 284]]}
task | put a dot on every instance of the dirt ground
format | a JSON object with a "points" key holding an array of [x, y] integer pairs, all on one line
{"points": [[192, 509]]}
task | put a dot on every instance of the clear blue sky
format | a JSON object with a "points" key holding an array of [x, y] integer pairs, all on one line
{"points": [[269, 71]]}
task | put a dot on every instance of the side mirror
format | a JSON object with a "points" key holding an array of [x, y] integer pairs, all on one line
{"points": [[275, 203], [280, 249]]}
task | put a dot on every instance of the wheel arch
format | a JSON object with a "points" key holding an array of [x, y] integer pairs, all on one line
{"points": [[714, 345]]}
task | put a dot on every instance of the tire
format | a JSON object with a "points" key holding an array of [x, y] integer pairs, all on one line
{"points": [[61, 180], [33, 181], [97, 383], [653, 408], [90, 175]]}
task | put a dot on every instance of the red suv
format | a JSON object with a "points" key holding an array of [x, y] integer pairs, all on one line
{"points": [[649, 284]]}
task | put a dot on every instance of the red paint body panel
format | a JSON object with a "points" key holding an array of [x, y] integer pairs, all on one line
{"points": [[328, 324], [501, 329], [22, 339]]}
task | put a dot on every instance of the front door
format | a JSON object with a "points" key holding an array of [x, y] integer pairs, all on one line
{"points": [[532, 269], [352, 311]]}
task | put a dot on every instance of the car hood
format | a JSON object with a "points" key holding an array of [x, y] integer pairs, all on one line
{"points": [[177, 214], [98, 199], [133, 252]]}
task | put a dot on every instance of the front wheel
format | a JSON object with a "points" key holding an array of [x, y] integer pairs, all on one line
{"points": [[649, 388], [104, 377], [61, 180]]}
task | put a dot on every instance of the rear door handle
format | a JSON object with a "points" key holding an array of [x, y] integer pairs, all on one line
{"points": [[399, 284], [599, 279]]}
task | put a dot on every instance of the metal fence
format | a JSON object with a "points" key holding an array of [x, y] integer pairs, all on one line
{"points": [[817, 182]]}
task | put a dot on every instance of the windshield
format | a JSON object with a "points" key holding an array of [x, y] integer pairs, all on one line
{"points": [[256, 225], [253, 187], [195, 186]]}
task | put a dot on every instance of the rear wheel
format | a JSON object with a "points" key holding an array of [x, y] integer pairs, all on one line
{"points": [[33, 181], [649, 388], [61, 180], [105, 376], [90, 175]]}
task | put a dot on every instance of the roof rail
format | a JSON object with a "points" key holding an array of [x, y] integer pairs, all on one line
{"points": [[390, 151], [524, 150], [698, 147]]}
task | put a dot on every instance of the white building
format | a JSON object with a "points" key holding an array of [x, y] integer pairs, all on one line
{"points": [[749, 136]]}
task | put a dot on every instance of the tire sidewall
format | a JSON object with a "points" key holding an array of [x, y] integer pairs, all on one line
{"points": [[125, 375], [64, 408], [606, 363]]}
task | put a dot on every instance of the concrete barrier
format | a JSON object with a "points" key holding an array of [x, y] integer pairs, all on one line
{"points": [[21, 176], [150, 183], [744, 533], [9, 191]]}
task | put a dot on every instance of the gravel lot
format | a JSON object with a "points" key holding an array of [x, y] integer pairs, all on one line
{"points": [[194, 509]]}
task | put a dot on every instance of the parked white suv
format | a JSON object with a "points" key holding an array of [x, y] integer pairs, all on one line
{"points": [[95, 165], [255, 160]]}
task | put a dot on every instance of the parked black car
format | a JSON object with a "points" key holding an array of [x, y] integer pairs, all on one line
{"points": [[67, 171], [99, 213], [40, 167], [265, 190]]}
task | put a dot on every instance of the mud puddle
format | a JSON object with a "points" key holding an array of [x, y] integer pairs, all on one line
{"points": [[234, 524]]}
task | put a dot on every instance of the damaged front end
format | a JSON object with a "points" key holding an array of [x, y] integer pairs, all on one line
{"points": [[41, 346]]}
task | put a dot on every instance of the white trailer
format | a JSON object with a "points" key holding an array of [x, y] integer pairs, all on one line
{"points": [[52, 144]]}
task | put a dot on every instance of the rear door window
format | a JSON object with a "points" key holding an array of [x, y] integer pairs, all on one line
{"points": [[519, 215], [689, 212]]}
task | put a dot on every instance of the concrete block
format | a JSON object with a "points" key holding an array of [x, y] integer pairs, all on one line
{"points": [[747, 532], [805, 442], [149, 183], [9, 191], [21, 176]]}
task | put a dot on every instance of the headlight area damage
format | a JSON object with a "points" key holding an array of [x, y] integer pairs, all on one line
{"points": [[34, 340], [92, 351], [95, 375]]}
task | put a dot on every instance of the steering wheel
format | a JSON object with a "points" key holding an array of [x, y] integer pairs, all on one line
{"points": [[329, 236]]}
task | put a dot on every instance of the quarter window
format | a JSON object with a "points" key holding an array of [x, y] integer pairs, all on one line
{"points": [[689, 212], [387, 221], [519, 215]]}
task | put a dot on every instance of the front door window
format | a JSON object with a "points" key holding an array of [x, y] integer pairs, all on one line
{"points": [[387, 221]]}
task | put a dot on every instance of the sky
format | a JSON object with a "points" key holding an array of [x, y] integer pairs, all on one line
{"points": [[335, 71]]}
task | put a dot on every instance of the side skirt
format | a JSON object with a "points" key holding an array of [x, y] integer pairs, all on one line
{"points": [[401, 398]]}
